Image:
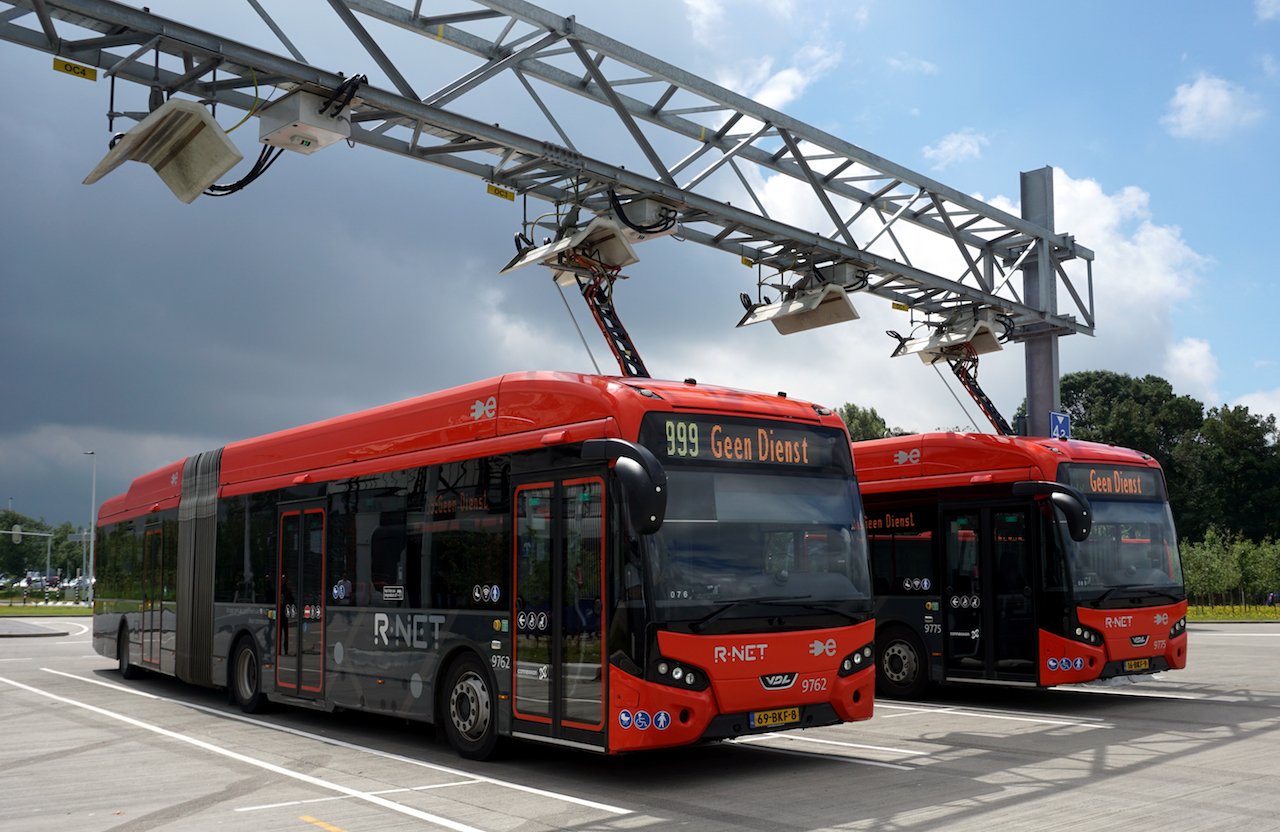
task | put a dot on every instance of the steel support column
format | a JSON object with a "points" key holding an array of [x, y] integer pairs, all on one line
{"points": [[1039, 291]]}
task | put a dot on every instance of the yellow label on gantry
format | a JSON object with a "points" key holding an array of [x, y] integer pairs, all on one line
{"points": [[86, 72], [509, 196]]}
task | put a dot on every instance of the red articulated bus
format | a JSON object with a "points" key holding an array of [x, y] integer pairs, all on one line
{"points": [[1018, 560], [606, 563]]}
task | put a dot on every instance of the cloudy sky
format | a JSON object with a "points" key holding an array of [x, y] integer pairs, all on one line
{"points": [[146, 330]]}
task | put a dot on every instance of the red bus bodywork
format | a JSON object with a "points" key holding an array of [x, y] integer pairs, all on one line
{"points": [[913, 485], [546, 413]]}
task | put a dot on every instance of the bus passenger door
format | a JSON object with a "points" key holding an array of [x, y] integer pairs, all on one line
{"points": [[300, 600], [962, 598], [558, 684], [152, 594], [989, 598], [1012, 616]]}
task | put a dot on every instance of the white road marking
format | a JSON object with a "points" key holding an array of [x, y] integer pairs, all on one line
{"points": [[907, 752], [343, 797], [745, 742], [565, 798], [252, 761], [972, 712]]}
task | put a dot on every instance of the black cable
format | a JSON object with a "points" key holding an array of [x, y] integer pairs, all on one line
{"points": [[266, 158], [342, 96], [666, 223]]}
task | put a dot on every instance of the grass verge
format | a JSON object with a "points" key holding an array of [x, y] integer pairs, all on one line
{"points": [[1233, 613]]}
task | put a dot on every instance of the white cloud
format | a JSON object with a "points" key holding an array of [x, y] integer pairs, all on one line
{"points": [[907, 63], [1210, 108], [1262, 403], [714, 25], [1192, 369], [759, 81], [706, 17], [960, 146], [1270, 67], [1267, 9]]}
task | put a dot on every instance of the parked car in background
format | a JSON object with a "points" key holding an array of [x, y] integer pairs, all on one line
{"points": [[71, 585]]}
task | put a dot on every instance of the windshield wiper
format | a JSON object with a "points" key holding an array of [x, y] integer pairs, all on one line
{"points": [[825, 606], [1151, 590], [697, 626], [1131, 591]]}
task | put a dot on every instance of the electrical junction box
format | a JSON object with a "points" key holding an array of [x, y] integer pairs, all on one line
{"points": [[295, 123], [646, 213]]}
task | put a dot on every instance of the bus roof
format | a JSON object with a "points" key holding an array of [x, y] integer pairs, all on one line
{"points": [[948, 460], [575, 406]]}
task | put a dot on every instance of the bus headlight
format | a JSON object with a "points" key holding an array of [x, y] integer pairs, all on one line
{"points": [[677, 674], [1088, 636], [860, 659], [1179, 627]]}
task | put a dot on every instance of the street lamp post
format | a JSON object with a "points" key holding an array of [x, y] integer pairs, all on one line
{"points": [[93, 518]]}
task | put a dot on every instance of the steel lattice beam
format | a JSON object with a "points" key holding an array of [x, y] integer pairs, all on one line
{"points": [[693, 140]]}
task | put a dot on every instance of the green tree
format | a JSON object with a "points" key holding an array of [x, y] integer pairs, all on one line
{"points": [[1234, 466], [1146, 415], [863, 423], [1210, 568], [1259, 567]]}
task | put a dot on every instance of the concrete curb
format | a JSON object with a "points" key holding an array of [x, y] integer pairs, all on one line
{"points": [[21, 629]]}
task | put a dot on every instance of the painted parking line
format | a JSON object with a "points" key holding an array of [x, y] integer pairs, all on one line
{"points": [[1013, 716], [380, 792], [905, 752], [309, 779], [753, 741], [377, 752]]}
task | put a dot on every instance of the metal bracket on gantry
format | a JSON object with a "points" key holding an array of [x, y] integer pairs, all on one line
{"points": [[591, 258], [959, 339]]}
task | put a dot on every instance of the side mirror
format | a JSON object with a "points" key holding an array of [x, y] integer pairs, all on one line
{"points": [[1074, 505], [643, 479]]}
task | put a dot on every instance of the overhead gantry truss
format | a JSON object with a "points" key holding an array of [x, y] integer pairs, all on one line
{"points": [[703, 150]]}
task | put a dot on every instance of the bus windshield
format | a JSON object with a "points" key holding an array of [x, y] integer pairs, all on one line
{"points": [[737, 545], [1131, 545]]}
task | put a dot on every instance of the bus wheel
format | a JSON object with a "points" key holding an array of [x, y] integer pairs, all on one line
{"points": [[901, 669], [469, 715], [127, 670], [246, 677]]}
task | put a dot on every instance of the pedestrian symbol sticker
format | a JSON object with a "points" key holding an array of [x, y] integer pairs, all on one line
{"points": [[661, 720]]}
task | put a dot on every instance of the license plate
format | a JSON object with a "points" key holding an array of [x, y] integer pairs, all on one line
{"points": [[778, 716], [1137, 664]]}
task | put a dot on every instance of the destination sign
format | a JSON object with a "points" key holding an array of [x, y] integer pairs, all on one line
{"points": [[1118, 481], [682, 438]]}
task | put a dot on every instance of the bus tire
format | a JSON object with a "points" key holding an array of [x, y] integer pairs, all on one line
{"points": [[127, 669], [469, 710], [902, 668], [246, 677]]}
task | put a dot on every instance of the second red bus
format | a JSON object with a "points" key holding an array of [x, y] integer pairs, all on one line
{"points": [[1019, 560]]}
